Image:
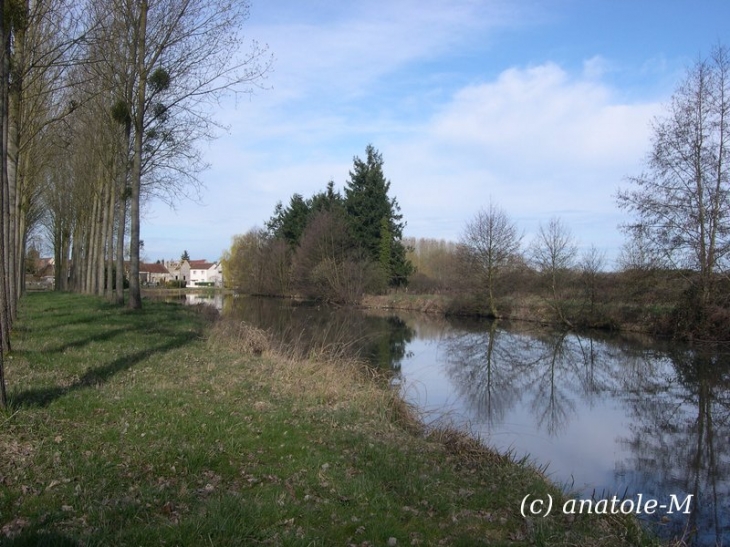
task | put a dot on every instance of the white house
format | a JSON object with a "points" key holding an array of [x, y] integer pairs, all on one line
{"points": [[202, 271]]}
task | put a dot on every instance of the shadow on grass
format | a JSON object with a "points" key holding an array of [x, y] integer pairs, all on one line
{"points": [[76, 344], [39, 539], [42, 397]]}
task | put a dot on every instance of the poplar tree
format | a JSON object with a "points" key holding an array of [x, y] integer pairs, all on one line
{"points": [[4, 330], [183, 55]]}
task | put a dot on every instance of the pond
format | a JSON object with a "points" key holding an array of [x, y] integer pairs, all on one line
{"points": [[604, 415]]}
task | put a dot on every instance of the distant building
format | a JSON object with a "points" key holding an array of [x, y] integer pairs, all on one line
{"points": [[195, 272], [206, 273], [179, 270], [155, 274], [43, 276]]}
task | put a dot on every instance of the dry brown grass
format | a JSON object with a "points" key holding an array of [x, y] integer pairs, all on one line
{"points": [[324, 378], [469, 450], [239, 336]]}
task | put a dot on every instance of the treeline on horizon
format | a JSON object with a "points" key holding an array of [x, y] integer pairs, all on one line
{"points": [[307, 250], [671, 277]]}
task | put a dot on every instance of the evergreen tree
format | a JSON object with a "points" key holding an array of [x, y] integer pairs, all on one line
{"points": [[328, 200], [185, 256], [386, 247], [374, 216], [400, 267], [289, 223]]}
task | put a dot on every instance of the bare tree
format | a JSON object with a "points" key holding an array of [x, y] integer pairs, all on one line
{"points": [[553, 254], [637, 254], [682, 201], [490, 241], [152, 71], [591, 265], [41, 50], [185, 55]]}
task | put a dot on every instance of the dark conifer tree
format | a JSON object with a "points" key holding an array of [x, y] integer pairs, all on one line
{"points": [[289, 223], [373, 215]]}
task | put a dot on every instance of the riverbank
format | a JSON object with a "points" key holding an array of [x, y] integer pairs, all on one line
{"points": [[614, 316], [159, 427]]}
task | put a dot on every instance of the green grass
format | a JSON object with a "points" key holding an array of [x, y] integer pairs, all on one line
{"points": [[156, 428]]}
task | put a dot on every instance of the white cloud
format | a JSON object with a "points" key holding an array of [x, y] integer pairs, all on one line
{"points": [[596, 67], [536, 140], [542, 115], [337, 55]]}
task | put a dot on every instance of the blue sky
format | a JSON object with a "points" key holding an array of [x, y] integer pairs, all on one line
{"points": [[543, 107]]}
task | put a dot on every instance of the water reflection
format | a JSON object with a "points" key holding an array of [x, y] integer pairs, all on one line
{"points": [[484, 369], [670, 438], [679, 436], [555, 373], [214, 299], [307, 328], [609, 415]]}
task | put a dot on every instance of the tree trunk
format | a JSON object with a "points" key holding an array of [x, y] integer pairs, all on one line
{"points": [[5, 319], [4, 329], [113, 198], [102, 240], [90, 248], [122, 224], [21, 242], [58, 262], [13, 136], [11, 157], [77, 253], [65, 260], [135, 297]]}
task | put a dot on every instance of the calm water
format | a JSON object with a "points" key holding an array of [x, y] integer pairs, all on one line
{"points": [[606, 415]]}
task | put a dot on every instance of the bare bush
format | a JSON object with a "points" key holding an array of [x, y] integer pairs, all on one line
{"points": [[328, 265]]}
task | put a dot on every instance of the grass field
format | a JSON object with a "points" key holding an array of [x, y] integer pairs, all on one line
{"points": [[160, 427]]}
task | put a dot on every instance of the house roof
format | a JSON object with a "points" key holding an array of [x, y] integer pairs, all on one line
{"points": [[153, 268], [201, 264]]}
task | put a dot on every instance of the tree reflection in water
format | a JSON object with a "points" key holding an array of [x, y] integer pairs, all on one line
{"points": [[679, 435], [495, 369], [481, 367], [677, 403]]}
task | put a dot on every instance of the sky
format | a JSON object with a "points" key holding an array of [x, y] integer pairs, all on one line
{"points": [[543, 107]]}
